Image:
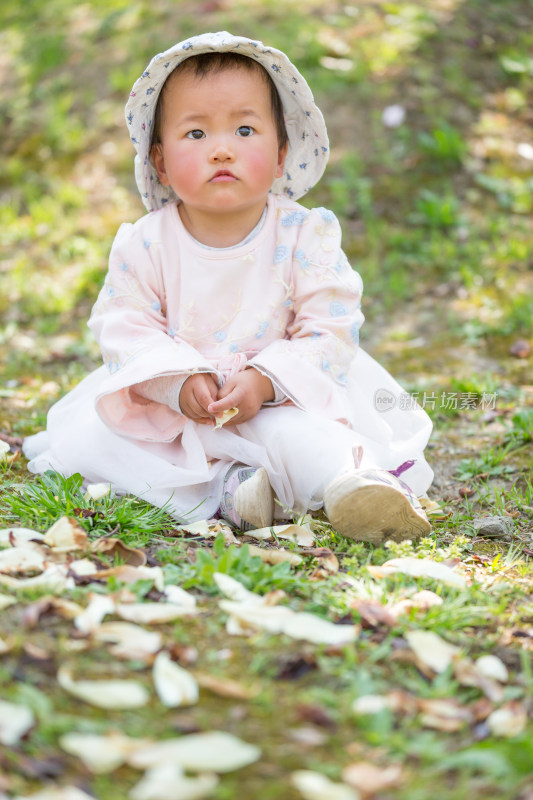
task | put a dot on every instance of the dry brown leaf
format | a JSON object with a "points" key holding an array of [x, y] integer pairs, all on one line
{"points": [[369, 779], [104, 694], [467, 674], [444, 714], [15, 722], [315, 786], [169, 782], [6, 645], [57, 605], [174, 685], [277, 556], [373, 614], [431, 650], [58, 793], [216, 750], [224, 687], [115, 548], [36, 652], [66, 535], [127, 573], [153, 613], [129, 641]]}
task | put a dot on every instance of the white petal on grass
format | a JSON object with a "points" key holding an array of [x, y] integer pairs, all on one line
{"points": [[275, 556], [492, 667], [58, 793], [370, 779], [178, 596], [4, 449], [104, 693], [393, 116], [153, 613], [508, 721], [168, 782], [370, 704], [173, 684], [419, 568], [65, 535], [83, 566], [215, 751], [301, 534], [15, 721], [315, 786], [235, 590], [21, 560], [101, 754], [431, 650], [95, 491], [54, 578], [17, 537], [90, 618], [127, 573], [200, 528], [525, 150], [128, 640], [297, 625]]}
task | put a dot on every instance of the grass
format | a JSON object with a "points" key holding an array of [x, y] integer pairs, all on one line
{"points": [[436, 216]]}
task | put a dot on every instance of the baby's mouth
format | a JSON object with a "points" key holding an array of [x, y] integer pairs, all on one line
{"points": [[223, 175]]}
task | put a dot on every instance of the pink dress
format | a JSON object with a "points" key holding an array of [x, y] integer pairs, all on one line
{"points": [[288, 303]]}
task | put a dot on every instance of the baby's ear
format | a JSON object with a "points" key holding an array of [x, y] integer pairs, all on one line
{"points": [[282, 154], [156, 154]]}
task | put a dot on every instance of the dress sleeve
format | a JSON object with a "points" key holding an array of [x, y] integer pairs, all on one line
{"points": [[311, 364], [129, 323]]}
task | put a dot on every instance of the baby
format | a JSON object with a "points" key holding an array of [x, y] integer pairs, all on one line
{"points": [[232, 298]]}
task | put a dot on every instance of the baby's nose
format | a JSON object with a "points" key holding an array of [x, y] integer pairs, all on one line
{"points": [[221, 151]]}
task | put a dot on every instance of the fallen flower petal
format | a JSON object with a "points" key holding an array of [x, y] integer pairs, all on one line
{"points": [[178, 596], [58, 793], [21, 560], [224, 687], [419, 568], [236, 591], [54, 578], [226, 415], [168, 782], [277, 556], [153, 613], [431, 650], [173, 684], [315, 786], [301, 534], [90, 618], [95, 491], [6, 600], [100, 754], [492, 667], [367, 778], [18, 537], [104, 694], [129, 641], [216, 750], [371, 704], [508, 721], [66, 535], [15, 722]]}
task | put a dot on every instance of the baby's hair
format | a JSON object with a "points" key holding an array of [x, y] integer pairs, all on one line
{"points": [[206, 63]]}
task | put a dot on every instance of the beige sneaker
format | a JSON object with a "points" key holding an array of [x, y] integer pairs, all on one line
{"points": [[247, 499], [372, 506]]}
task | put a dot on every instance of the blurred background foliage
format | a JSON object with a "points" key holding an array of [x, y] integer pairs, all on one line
{"points": [[428, 105]]}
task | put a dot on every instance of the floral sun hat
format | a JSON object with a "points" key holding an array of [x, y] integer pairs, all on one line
{"points": [[308, 149]]}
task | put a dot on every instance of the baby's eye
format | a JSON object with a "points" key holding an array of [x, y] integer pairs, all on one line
{"points": [[195, 134], [245, 130]]}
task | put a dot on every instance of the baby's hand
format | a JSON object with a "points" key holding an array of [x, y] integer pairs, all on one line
{"points": [[247, 391], [196, 394]]}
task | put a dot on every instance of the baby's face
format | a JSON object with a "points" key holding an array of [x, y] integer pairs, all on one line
{"points": [[219, 148]]}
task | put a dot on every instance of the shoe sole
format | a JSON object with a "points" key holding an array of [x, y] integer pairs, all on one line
{"points": [[373, 513], [254, 500]]}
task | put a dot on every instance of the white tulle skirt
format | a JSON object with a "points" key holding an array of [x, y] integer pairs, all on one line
{"points": [[302, 452]]}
